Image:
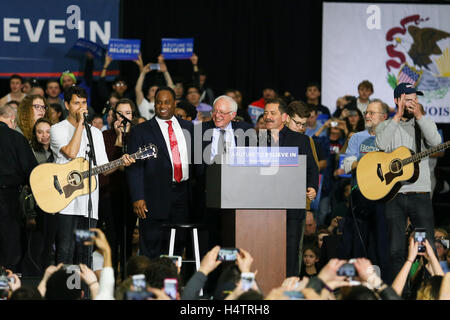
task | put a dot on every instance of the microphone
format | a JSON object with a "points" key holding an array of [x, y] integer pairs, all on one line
{"points": [[106, 108]]}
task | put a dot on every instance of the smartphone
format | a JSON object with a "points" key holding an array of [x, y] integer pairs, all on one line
{"points": [[71, 267], [171, 287], [247, 280], [294, 295], [347, 270], [334, 124], [83, 235], [228, 254], [139, 282], [155, 66], [206, 114], [420, 236], [138, 295], [175, 259]]}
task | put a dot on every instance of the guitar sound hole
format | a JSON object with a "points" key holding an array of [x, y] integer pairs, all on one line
{"points": [[396, 166], [74, 178]]}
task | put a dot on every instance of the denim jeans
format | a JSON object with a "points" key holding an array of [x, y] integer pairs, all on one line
{"points": [[65, 238], [419, 209]]}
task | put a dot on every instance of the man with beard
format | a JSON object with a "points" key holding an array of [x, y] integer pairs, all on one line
{"points": [[413, 199], [369, 239]]}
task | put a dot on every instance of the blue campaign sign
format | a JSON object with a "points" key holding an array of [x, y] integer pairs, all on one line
{"points": [[37, 41], [124, 49], [341, 166], [89, 46], [173, 48], [262, 157]]}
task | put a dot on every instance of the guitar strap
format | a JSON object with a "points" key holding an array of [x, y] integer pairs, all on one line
{"points": [[418, 136]]}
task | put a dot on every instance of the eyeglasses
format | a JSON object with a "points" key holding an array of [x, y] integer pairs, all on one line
{"points": [[370, 113], [41, 107], [220, 113], [299, 124]]}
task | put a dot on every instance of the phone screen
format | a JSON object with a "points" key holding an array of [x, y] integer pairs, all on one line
{"points": [[247, 279], [419, 236], [170, 288], [227, 254], [347, 270], [139, 282]]}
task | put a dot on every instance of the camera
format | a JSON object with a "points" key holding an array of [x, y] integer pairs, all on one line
{"points": [[229, 254], [334, 124], [83, 235], [247, 280], [420, 236], [170, 287], [347, 270]]}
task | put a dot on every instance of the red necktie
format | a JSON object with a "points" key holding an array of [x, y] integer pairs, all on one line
{"points": [[178, 174]]}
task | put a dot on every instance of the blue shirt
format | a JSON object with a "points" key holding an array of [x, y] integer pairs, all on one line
{"points": [[361, 143]]}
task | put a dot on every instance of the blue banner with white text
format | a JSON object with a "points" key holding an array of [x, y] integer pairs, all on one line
{"points": [[38, 39]]}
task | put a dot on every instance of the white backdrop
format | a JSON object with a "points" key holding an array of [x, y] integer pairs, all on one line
{"points": [[379, 42]]}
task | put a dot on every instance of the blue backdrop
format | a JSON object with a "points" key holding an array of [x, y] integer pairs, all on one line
{"points": [[36, 37]]}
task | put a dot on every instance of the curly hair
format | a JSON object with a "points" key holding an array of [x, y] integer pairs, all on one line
{"points": [[25, 115]]}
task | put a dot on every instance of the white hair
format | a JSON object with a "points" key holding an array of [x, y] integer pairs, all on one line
{"points": [[233, 103]]}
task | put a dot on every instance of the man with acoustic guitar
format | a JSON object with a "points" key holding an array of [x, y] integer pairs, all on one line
{"points": [[408, 128], [69, 141]]}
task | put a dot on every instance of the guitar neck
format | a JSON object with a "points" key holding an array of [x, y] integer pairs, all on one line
{"points": [[419, 156], [107, 166]]}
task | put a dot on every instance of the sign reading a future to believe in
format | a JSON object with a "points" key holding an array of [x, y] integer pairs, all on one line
{"points": [[173, 48]]}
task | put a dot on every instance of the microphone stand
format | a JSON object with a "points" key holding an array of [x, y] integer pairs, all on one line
{"points": [[123, 251], [92, 160]]}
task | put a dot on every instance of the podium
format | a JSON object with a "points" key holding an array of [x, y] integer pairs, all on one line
{"points": [[253, 201]]}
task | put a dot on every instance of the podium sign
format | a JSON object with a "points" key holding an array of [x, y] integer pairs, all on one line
{"points": [[258, 178]]}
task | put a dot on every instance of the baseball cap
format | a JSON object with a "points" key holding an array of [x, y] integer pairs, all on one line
{"points": [[406, 88]]}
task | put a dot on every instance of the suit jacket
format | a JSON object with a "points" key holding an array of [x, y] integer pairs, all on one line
{"points": [[151, 179], [289, 138], [206, 145]]}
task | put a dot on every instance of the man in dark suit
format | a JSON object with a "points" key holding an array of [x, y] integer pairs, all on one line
{"points": [[275, 117], [159, 187], [218, 135]]}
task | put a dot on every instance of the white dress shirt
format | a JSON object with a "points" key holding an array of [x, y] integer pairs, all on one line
{"points": [[229, 139]]}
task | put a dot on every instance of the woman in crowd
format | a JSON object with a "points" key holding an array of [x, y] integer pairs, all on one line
{"points": [[32, 108]]}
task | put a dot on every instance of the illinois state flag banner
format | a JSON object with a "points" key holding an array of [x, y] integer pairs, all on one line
{"points": [[387, 44]]}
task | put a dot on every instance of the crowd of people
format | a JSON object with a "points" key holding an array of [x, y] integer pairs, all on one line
{"points": [[332, 246]]}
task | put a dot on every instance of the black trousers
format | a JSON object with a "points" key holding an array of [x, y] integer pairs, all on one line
{"points": [[38, 243], [11, 250], [294, 222], [115, 213], [153, 237]]}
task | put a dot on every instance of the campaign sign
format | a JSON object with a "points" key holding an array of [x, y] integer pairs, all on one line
{"points": [[124, 49], [89, 46], [341, 166], [263, 157], [173, 48], [254, 113]]}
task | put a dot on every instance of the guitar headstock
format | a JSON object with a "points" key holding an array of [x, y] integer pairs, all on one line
{"points": [[147, 151]]}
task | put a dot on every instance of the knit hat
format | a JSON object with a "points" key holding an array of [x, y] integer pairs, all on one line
{"points": [[67, 73]]}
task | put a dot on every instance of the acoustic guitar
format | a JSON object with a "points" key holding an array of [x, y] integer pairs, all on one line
{"points": [[54, 185], [380, 175]]}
